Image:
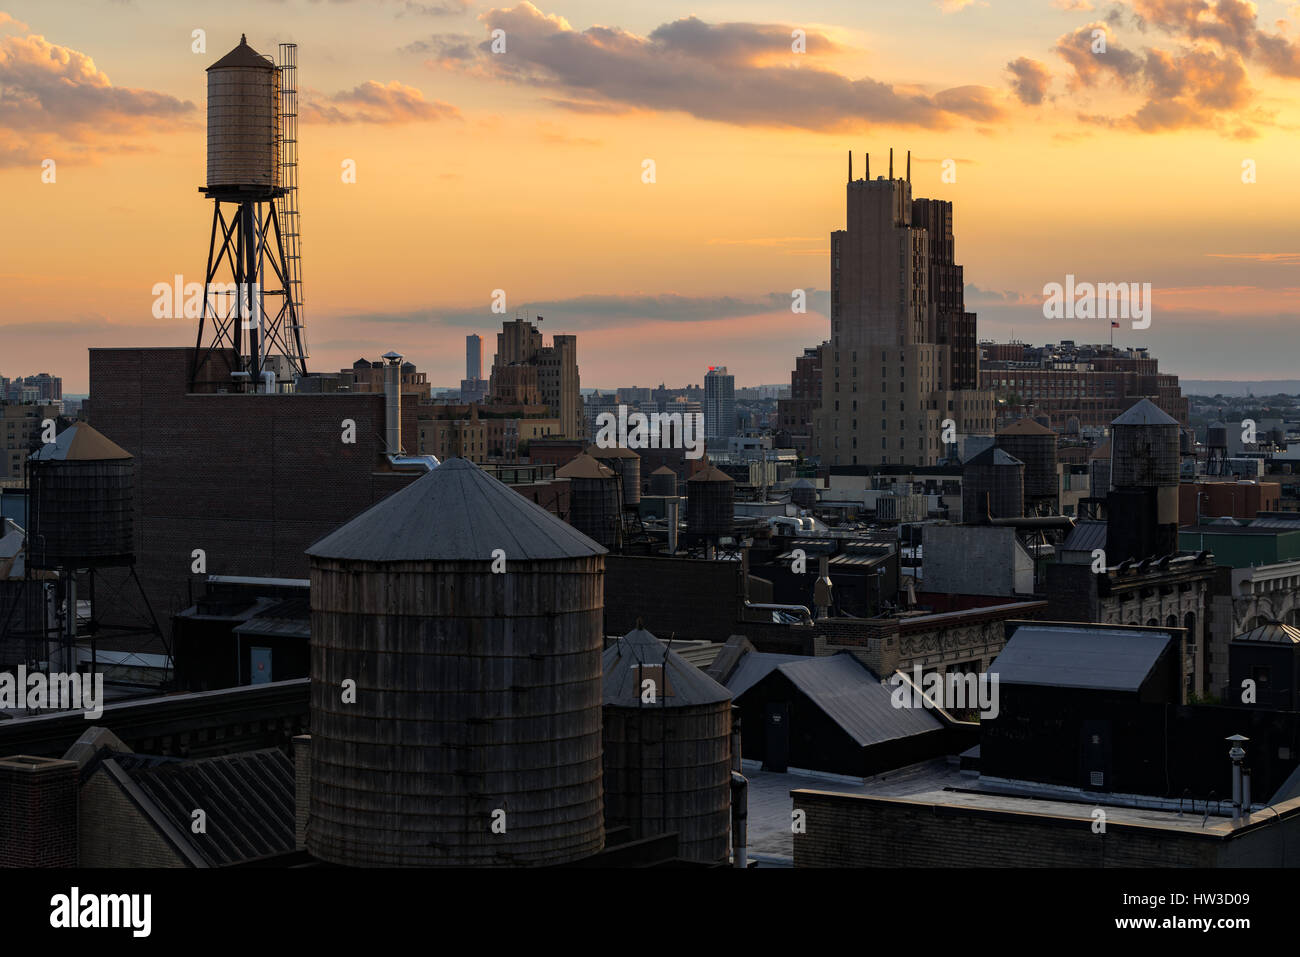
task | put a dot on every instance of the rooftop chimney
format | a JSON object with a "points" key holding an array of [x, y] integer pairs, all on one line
{"points": [[393, 403]]}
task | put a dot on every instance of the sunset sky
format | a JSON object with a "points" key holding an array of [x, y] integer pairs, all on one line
{"points": [[523, 171]]}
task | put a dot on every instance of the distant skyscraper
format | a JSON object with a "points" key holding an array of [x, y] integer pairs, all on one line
{"points": [[473, 357], [553, 368], [902, 356], [719, 404]]}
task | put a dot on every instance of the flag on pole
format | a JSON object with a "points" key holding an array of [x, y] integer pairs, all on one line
{"points": [[1114, 325]]}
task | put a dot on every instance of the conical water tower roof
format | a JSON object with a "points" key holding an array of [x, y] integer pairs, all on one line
{"points": [[457, 512], [583, 466], [994, 456], [80, 443], [685, 684], [710, 473], [245, 56], [1026, 426], [613, 452], [1145, 412]]}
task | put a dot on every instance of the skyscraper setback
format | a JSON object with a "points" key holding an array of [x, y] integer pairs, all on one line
{"points": [[902, 357]]}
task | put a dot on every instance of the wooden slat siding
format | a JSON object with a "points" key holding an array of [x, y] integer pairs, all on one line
{"points": [[669, 769], [475, 692]]}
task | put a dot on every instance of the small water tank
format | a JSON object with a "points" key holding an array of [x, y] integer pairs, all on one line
{"points": [[81, 512], [594, 505], [663, 482], [1144, 448], [243, 120], [627, 465], [710, 503], [803, 493], [992, 486], [667, 759], [1035, 446]]}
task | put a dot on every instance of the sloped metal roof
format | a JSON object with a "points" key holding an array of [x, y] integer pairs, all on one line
{"points": [[613, 452], [1059, 656], [685, 686], [244, 56], [1144, 412], [247, 800], [753, 668], [583, 466], [457, 512], [1085, 536], [846, 691], [993, 456], [1273, 632], [710, 473], [80, 443], [1026, 426]]}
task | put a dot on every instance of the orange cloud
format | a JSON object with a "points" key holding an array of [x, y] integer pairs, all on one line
{"points": [[374, 102], [744, 74]]}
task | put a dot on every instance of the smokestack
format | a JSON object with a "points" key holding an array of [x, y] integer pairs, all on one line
{"points": [[393, 403], [909, 167], [672, 526], [891, 162], [867, 172], [850, 166]]}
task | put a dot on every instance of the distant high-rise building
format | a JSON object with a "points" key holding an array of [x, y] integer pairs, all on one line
{"points": [[473, 356], [519, 343], [795, 414], [902, 356], [21, 426], [719, 404], [41, 387]]}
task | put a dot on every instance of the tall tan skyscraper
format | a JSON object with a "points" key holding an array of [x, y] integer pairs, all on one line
{"points": [[520, 343], [902, 357]]}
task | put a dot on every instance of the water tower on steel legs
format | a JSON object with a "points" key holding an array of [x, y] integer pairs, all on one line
{"points": [[252, 302]]}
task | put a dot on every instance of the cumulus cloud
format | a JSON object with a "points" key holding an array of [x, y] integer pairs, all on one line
{"points": [[56, 102], [374, 102], [1201, 80], [444, 49], [738, 73], [1029, 80]]}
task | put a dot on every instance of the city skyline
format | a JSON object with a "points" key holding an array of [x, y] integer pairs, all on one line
{"points": [[1095, 155]]}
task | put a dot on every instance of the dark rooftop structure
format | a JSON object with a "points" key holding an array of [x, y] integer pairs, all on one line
{"points": [[1060, 656], [247, 800], [828, 713]]}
